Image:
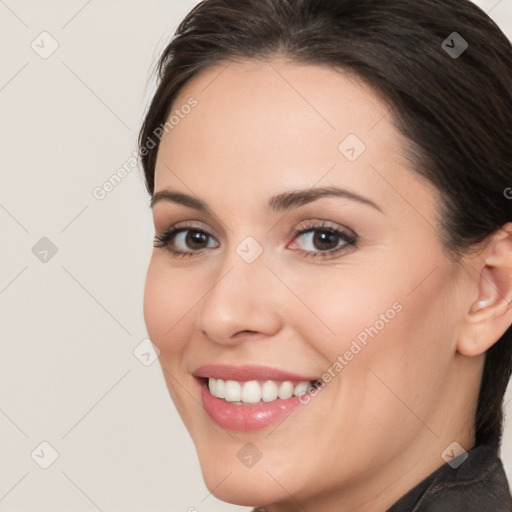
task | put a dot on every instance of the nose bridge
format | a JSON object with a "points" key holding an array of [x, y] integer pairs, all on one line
{"points": [[239, 298]]}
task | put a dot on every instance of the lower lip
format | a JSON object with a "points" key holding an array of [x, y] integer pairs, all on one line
{"points": [[246, 418]]}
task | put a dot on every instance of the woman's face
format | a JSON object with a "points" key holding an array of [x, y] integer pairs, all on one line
{"points": [[311, 253]]}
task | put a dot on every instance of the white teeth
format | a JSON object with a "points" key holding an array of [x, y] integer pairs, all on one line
{"points": [[269, 391], [220, 388], [301, 387], [212, 385], [233, 391], [285, 390], [253, 391]]}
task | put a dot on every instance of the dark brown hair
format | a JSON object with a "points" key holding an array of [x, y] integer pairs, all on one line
{"points": [[455, 110]]}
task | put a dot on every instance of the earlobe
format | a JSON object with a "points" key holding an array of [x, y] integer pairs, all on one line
{"points": [[490, 314]]}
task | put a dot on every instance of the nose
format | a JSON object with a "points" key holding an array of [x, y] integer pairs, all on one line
{"points": [[241, 302]]}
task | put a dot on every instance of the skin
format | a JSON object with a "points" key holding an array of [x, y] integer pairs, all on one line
{"points": [[379, 427]]}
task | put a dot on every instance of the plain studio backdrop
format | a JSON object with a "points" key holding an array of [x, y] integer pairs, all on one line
{"points": [[86, 421]]}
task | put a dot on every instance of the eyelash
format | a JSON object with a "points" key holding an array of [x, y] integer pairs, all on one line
{"points": [[164, 240]]}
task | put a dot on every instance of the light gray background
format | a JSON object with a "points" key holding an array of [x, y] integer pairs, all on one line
{"points": [[70, 325]]}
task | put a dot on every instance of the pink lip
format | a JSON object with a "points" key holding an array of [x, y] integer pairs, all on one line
{"points": [[246, 418], [245, 373]]}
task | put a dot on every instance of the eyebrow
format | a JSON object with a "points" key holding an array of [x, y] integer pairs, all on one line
{"points": [[281, 202]]}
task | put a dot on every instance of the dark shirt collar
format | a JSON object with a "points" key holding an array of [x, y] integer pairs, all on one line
{"points": [[479, 482]]}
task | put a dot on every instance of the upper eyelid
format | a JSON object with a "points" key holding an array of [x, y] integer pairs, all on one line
{"points": [[324, 224], [317, 224], [184, 225]]}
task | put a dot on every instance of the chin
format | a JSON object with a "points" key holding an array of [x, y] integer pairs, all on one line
{"points": [[243, 487]]}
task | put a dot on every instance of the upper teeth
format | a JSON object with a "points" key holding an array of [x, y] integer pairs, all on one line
{"points": [[252, 391]]}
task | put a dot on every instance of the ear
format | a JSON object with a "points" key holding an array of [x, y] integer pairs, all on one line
{"points": [[490, 313]]}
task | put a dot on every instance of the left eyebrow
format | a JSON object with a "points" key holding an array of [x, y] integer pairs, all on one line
{"points": [[278, 203], [289, 200]]}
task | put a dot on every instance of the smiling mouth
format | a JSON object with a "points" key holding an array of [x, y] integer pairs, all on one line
{"points": [[253, 392], [248, 398]]}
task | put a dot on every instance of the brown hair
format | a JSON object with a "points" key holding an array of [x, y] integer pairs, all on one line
{"points": [[455, 110]]}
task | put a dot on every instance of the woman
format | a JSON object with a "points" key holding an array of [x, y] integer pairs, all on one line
{"points": [[331, 282]]}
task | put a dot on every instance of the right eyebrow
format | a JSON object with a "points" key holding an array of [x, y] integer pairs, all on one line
{"points": [[179, 198], [292, 199]]}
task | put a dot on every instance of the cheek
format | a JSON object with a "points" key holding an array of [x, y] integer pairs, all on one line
{"points": [[376, 326], [400, 342], [401, 307], [167, 301], [168, 310], [355, 308]]}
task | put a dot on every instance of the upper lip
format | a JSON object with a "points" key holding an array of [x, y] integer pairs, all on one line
{"points": [[246, 372]]}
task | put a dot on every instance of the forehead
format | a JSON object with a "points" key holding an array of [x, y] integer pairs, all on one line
{"points": [[274, 123]]}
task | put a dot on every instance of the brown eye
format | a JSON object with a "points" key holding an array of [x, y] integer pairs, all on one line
{"points": [[323, 241], [185, 241], [195, 239]]}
